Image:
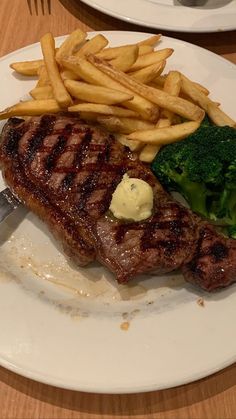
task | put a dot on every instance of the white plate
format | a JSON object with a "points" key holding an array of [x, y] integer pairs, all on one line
{"points": [[171, 15], [70, 335]]}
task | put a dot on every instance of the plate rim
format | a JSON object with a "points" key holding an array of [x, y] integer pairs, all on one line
{"points": [[88, 388]]}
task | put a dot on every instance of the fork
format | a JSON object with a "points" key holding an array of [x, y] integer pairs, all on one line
{"points": [[35, 4]]}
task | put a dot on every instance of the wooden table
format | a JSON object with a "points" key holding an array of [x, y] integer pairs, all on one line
{"points": [[213, 397]]}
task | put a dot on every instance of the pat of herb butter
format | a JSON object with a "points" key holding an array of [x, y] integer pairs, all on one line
{"points": [[132, 199]]}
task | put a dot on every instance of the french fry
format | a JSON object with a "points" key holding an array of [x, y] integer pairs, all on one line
{"points": [[132, 145], [172, 83], [211, 108], [171, 86], [145, 49], [91, 74], [125, 60], [219, 117], [197, 85], [149, 151], [151, 58], [43, 77], [152, 40], [59, 91], [31, 108], [102, 109], [112, 53], [44, 92], [27, 68], [160, 80], [89, 116], [68, 75], [96, 94], [147, 74], [124, 125], [163, 123], [70, 45], [174, 104], [93, 46], [163, 136]]}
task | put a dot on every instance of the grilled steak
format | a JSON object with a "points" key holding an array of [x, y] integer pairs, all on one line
{"points": [[65, 170]]}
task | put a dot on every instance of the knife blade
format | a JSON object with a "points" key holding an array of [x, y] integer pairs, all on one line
{"points": [[8, 204]]}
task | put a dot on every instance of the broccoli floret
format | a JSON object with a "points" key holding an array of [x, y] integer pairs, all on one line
{"points": [[206, 121], [231, 231], [203, 169]]}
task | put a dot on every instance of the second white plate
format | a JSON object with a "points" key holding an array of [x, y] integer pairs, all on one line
{"points": [[172, 15]]}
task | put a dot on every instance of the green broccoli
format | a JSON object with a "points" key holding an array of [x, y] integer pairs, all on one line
{"points": [[203, 169]]}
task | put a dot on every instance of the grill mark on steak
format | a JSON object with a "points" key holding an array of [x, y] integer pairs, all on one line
{"points": [[92, 180], [35, 142], [175, 226], [218, 251], [104, 206], [15, 132], [147, 240], [67, 182], [83, 149], [71, 171], [15, 121], [58, 148], [115, 170], [12, 144]]}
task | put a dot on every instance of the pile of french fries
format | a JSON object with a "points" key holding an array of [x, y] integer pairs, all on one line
{"points": [[122, 88]]}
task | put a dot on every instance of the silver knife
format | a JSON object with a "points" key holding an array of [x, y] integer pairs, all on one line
{"points": [[8, 204]]}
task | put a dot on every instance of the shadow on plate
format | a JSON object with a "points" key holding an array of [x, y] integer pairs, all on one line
{"points": [[202, 4]]}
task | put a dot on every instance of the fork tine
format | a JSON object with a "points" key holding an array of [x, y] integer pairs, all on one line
{"points": [[36, 7], [29, 6], [49, 6], [42, 6]]}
